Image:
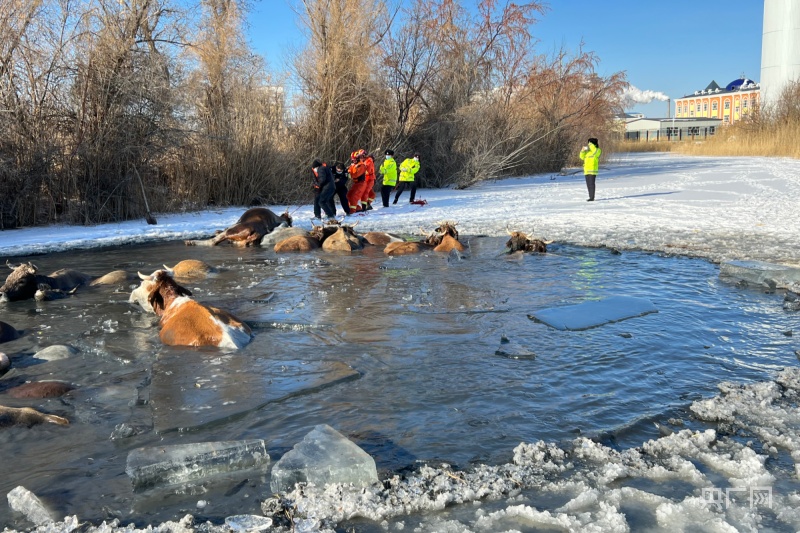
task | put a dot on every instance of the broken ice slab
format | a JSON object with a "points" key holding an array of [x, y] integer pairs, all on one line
{"points": [[248, 522], [323, 456], [190, 389], [594, 313], [24, 501], [167, 465], [759, 273], [513, 350]]}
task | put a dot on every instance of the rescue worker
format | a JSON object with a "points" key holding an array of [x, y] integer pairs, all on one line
{"points": [[323, 190], [369, 189], [590, 155], [357, 171], [389, 172], [340, 183], [408, 169]]}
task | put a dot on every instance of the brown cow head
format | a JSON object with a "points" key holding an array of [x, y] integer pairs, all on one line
{"points": [[21, 284], [446, 227], [286, 217], [323, 231], [164, 291], [345, 239], [520, 242]]}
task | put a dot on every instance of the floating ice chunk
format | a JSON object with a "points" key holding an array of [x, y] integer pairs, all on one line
{"points": [[181, 463], [595, 313], [323, 456], [306, 525], [513, 350], [56, 352], [791, 300], [248, 522], [759, 273], [24, 501]]}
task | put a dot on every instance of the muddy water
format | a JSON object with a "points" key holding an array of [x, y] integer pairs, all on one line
{"points": [[406, 356]]}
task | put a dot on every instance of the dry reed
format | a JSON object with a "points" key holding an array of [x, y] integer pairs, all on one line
{"points": [[780, 140]]}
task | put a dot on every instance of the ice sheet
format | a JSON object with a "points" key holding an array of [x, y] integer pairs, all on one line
{"points": [[594, 313], [760, 273], [169, 465]]}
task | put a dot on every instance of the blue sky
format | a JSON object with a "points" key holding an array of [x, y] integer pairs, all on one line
{"points": [[673, 47]]}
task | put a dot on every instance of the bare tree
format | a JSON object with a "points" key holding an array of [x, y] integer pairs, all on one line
{"points": [[347, 106], [238, 113]]}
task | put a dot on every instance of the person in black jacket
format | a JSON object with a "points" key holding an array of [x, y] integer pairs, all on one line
{"points": [[340, 183], [323, 190]]}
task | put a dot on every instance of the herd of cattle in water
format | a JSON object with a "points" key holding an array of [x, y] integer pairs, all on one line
{"points": [[184, 321]]}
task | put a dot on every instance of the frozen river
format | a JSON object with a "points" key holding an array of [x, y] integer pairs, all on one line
{"points": [[407, 357], [422, 359]]}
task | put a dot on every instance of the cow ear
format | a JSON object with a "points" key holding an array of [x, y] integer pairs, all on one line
{"points": [[183, 291]]}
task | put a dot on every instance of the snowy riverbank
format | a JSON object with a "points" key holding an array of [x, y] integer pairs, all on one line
{"points": [[716, 208]]}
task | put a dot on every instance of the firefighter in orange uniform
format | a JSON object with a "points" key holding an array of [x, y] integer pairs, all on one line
{"points": [[369, 189], [358, 173]]}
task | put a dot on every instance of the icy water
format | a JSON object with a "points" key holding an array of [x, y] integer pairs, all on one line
{"points": [[423, 358]]}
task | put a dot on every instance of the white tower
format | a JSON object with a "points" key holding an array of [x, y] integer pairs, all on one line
{"points": [[780, 47]]}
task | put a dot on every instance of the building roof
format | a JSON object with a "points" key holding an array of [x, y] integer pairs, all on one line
{"points": [[739, 84], [628, 116], [679, 119]]}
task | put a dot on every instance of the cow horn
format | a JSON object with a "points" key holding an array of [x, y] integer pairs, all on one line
{"points": [[548, 242], [142, 276], [9, 265], [168, 269], [508, 230]]}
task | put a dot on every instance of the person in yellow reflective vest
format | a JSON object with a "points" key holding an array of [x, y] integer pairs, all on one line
{"points": [[389, 172], [408, 169], [590, 155]]}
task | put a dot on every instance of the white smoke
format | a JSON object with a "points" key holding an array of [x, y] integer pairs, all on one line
{"points": [[634, 95]]}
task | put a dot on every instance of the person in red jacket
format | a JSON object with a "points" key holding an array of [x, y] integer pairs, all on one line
{"points": [[369, 188], [358, 173]]}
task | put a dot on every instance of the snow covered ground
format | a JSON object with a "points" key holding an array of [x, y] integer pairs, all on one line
{"points": [[712, 207]]}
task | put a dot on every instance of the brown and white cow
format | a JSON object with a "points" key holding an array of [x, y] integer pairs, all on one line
{"points": [[40, 389], [25, 416], [186, 322], [250, 229], [380, 238], [24, 281]]}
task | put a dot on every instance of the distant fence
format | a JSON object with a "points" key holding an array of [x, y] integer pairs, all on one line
{"points": [[671, 134]]}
